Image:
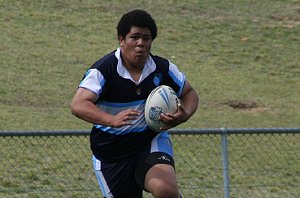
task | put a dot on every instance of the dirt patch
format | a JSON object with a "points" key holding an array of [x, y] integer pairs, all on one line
{"points": [[258, 109], [242, 104], [247, 106]]}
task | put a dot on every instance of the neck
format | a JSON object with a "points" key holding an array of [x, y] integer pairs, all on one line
{"points": [[134, 71]]}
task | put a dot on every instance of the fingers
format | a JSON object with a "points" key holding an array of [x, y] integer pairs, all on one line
{"points": [[173, 120], [170, 116], [125, 117], [167, 117], [131, 115], [180, 107]]}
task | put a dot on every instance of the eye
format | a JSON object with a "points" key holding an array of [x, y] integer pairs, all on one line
{"points": [[134, 37], [147, 38]]}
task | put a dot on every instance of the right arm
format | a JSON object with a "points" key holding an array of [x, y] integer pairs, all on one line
{"points": [[83, 106]]}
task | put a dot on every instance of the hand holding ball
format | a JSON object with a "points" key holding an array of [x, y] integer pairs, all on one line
{"points": [[162, 99]]}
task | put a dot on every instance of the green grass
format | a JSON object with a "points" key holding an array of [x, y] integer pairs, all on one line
{"points": [[229, 50], [264, 165]]}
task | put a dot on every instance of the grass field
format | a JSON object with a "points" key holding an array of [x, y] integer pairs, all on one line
{"points": [[264, 165], [242, 57]]}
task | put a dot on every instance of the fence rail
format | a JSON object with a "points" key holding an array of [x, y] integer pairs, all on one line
{"points": [[172, 131], [216, 162]]}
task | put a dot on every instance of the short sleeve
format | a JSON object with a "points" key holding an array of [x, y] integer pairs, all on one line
{"points": [[177, 76], [93, 80]]}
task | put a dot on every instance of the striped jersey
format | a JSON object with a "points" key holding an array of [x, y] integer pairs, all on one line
{"points": [[117, 91]]}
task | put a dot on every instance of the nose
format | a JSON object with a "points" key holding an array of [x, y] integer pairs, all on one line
{"points": [[140, 42]]}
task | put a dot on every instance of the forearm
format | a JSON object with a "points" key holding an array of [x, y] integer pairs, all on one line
{"points": [[89, 112], [190, 103]]}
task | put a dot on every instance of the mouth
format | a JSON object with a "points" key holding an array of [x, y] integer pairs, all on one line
{"points": [[140, 52]]}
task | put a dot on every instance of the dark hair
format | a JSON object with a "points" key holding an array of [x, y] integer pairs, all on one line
{"points": [[139, 18]]}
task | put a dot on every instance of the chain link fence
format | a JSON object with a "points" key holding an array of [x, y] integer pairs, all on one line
{"points": [[209, 163]]}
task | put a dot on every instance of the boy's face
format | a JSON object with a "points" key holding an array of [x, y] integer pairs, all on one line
{"points": [[135, 47]]}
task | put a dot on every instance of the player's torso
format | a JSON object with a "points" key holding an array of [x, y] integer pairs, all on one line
{"points": [[119, 93]]}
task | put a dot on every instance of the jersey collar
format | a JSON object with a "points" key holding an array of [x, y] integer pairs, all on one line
{"points": [[149, 67]]}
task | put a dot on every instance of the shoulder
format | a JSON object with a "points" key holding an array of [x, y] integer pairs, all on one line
{"points": [[164, 64], [160, 60], [106, 61]]}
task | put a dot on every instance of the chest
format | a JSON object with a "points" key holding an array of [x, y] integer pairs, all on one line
{"points": [[118, 89]]}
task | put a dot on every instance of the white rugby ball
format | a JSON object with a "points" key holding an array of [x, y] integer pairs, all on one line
{"points": [[162, 99]]}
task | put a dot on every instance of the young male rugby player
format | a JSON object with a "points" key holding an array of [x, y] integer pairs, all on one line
{"points": [[128, 156]]}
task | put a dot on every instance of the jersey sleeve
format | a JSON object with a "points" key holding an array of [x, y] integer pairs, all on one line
{"points": [[177, 76], [93, 80]]}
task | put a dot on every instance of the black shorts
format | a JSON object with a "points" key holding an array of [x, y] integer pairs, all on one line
{"points": [[125, 178]]}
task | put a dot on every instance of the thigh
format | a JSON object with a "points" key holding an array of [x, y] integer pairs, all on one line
{"points": [[116, 179], [161, 180]]}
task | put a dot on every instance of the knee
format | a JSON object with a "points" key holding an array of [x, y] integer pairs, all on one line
{"points": [[161, 182], [163, 189]]}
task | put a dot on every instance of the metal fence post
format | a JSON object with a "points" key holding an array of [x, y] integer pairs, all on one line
{"points": [[225, 163]]}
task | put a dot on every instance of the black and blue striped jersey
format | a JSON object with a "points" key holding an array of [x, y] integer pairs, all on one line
{"points": [[117, 91]]}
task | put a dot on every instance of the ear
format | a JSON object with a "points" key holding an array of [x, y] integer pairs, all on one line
{"points": [[121, 41]]}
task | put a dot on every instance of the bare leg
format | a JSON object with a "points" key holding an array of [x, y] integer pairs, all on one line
{"points": [[161, 181]]}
